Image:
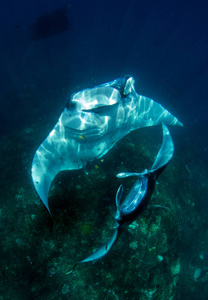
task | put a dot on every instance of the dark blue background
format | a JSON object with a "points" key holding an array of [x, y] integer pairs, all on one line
{"points": [[163, 44]]}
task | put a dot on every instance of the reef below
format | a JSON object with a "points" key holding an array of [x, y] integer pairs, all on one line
{"points": [[162, 255]]}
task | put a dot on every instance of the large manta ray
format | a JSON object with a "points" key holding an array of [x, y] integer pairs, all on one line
{"points": [[92, 122]]}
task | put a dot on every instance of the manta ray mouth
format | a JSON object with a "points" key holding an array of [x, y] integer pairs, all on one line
{"points": [[95, 98]]}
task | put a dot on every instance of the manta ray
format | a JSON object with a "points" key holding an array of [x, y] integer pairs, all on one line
{"points": [[137, 199], [92, 122], [50, 24]]}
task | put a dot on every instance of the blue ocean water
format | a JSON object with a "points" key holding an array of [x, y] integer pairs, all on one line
{"points": [[51, 49]]}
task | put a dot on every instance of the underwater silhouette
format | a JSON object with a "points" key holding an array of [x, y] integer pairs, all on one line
{"points": [[50, 24]]}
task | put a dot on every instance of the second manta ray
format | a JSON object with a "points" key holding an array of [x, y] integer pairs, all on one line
{"points": [[139, 196]]}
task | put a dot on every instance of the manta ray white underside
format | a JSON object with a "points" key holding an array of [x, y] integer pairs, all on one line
{"points": [[90, 125]]}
